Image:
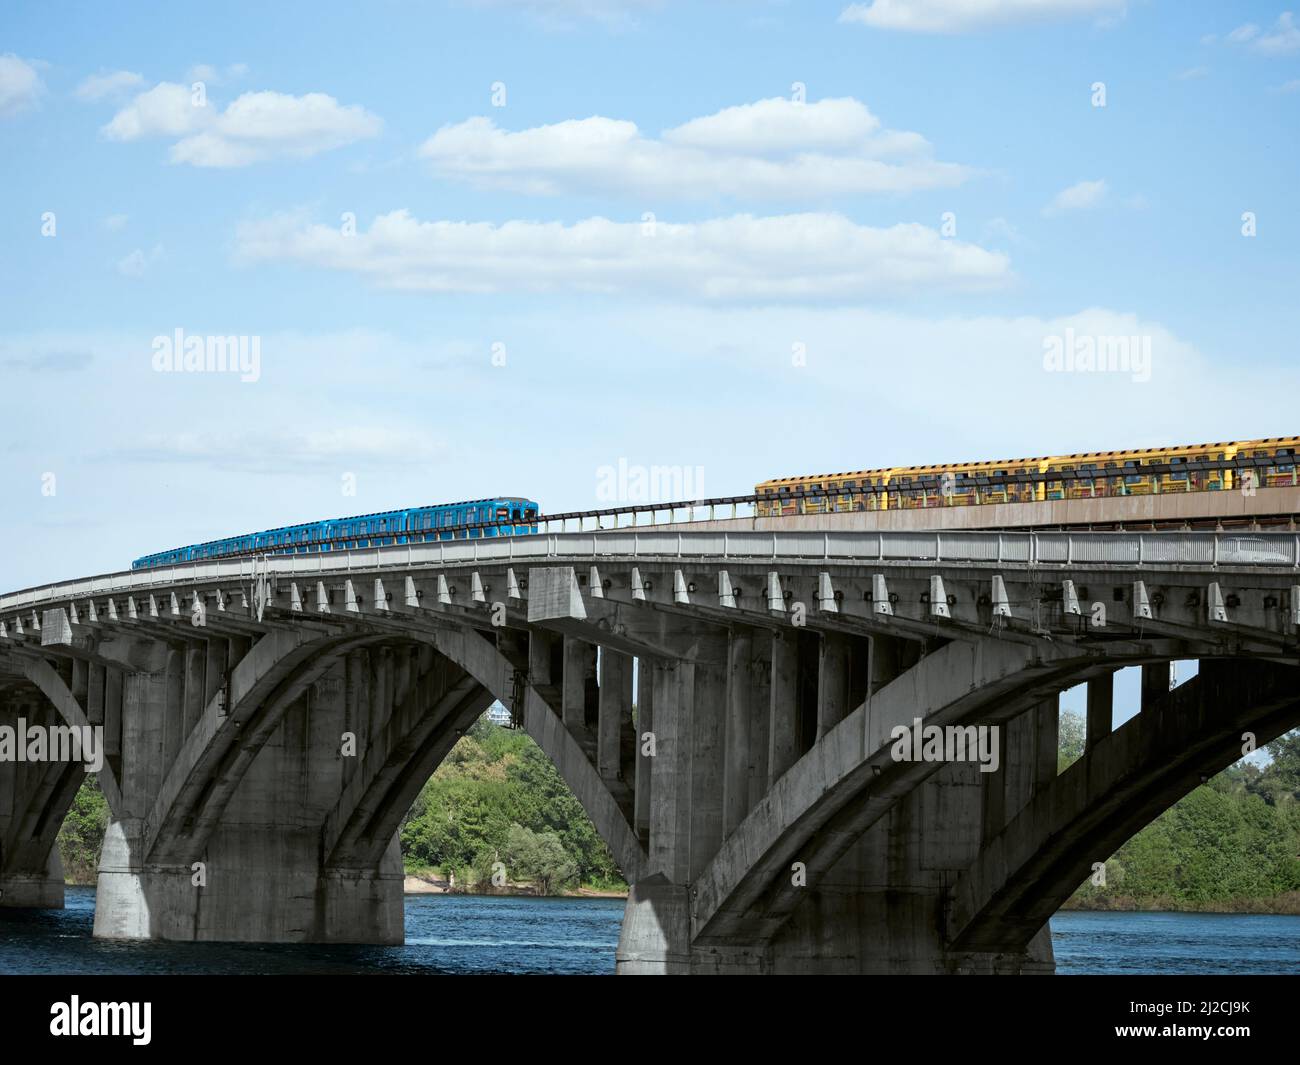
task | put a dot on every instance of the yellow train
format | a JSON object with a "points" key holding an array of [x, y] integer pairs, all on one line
{"points": [[1089, 475]]}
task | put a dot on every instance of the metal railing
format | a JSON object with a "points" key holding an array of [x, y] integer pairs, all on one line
{"points": [[835, 500], [1028, 549]]}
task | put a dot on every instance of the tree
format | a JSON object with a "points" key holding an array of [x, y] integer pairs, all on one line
{"points": [[539, 858], [1072, 736]]}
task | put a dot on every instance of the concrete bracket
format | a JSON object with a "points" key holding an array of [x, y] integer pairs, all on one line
{"points": [[679, 589], [1141, 601], [726, 594], [880, 603], [826, 594], [1001, 602], [775, 596], [1070, 598], [1218, 611], [938, 598]]}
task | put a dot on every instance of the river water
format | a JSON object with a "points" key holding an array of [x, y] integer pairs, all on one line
{"points": [[473, 934]]}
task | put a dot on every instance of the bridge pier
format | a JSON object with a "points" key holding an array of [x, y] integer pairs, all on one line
{"points": [[38, 890], [258, 884], [240, 857]]}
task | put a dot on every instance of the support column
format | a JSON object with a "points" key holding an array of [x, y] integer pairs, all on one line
{"points": [[735, 783], [1101, 709], [579, 665], [615, 710], [1155, 682], [645, 705], [783, 730], [833, 682], [1047, 729]]}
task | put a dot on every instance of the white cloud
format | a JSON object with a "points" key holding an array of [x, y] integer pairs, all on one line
{"points": [[1282, 39], [115, 222], [255, 127], [959, 16], [98, 86], [20, 85], [1078, 197], [137, 264], [166, 110], [1290, 86], [771, 149], [799, 258], [1193, 73]]}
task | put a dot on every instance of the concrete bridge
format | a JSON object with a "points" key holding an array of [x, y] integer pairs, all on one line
{"points": [[722, 701]]}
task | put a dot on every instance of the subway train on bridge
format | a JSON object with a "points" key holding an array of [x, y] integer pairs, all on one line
{"points": [[1266, 463], [501, 516]]}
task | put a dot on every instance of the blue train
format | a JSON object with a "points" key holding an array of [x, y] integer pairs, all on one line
{"points": [[510, 515]]}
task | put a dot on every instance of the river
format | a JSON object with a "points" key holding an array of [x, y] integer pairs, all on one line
{"points": [[474, 934]]}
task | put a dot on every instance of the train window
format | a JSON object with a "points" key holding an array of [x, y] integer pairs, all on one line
{"points": [[530, 513], [504, 512]]}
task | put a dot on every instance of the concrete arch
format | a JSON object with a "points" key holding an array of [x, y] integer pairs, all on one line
{"points": [[1120, 785], [440, 707], [848, 781], [52, 686], [31, 871], [232, 730], [481, 660]]}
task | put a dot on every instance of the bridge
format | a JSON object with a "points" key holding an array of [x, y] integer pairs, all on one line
{"points": [[723, 697]]}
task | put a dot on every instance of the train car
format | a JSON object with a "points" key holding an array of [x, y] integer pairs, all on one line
{"points": [[468, 519], [823, 493], [1085, 475]]}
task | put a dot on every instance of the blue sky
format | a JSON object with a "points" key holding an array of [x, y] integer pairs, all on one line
{"points": [[779, 224]]}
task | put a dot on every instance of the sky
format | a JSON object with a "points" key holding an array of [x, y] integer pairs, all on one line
{"points": [[499, 247]]}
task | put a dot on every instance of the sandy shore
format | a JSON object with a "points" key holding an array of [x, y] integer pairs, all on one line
{"points": [[426, 885]]}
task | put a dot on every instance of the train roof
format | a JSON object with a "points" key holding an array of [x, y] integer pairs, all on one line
{"points": [[349, 517], [1041, 458]]}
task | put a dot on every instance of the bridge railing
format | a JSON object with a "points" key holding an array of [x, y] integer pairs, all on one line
{"points": [[1128, 550]]}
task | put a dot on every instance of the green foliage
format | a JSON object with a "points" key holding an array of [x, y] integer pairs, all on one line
{"points": [[493, 781], [1071, 737], [82, 836], [1235, 838], [539, 858]]}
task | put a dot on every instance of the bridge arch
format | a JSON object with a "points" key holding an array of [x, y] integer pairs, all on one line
{"points": [[1117, 787]]}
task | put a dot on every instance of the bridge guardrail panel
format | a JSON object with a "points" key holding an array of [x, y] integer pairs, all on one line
{"points": [[850, 544], [1190, 548], [1103, 548], [799, 545], [910, 545], [1054, 548], [750, 544], [1257, 550]]}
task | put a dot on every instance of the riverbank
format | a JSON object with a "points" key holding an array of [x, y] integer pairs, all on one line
{"points": [[431, 884], [1284, 905]]}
